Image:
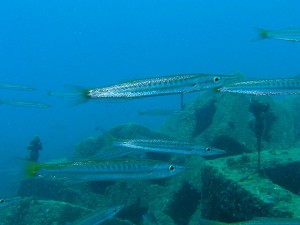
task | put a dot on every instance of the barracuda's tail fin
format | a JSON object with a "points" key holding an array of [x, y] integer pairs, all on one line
{"points": [[262, 34], [30, 169], [78, 94], [110, 148], [109, 140]]}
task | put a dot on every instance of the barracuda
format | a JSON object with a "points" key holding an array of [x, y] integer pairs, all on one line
{"points": [[25, 103], [256, 221], [285, 35], [149, 87], [8, 201], [99, 217], [97, 170], [166, 146], [160, 112], [166, 85], [280, 86], [16, 87]]}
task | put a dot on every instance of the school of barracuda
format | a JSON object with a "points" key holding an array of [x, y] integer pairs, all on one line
{"points": [[110, 163]]}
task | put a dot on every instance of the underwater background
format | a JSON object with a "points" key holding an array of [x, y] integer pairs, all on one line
{"points": [[50, 44]]}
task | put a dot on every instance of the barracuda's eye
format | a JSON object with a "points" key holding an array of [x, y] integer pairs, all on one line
{"points": [[216, 79], [1, 201], [115, 210], [171, 168], [208, 149]]}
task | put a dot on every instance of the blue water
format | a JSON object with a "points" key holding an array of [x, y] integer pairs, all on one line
{"points": [[48, 44]]}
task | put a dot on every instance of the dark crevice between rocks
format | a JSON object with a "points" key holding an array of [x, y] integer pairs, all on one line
{"points": [[184, 205], [231, 146], [286, 176], [204, 117]]}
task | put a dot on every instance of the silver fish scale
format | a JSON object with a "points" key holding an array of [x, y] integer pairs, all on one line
{"points": [[159, 86]]}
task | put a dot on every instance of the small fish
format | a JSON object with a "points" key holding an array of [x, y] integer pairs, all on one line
{"points": [[150, 87], [166, 146], [64, 94], [16, 87], [8, 201], [285, 35], [99, 170], [160, 112], [279, 86], [25, 103], [256, 221], [98, 217]]}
